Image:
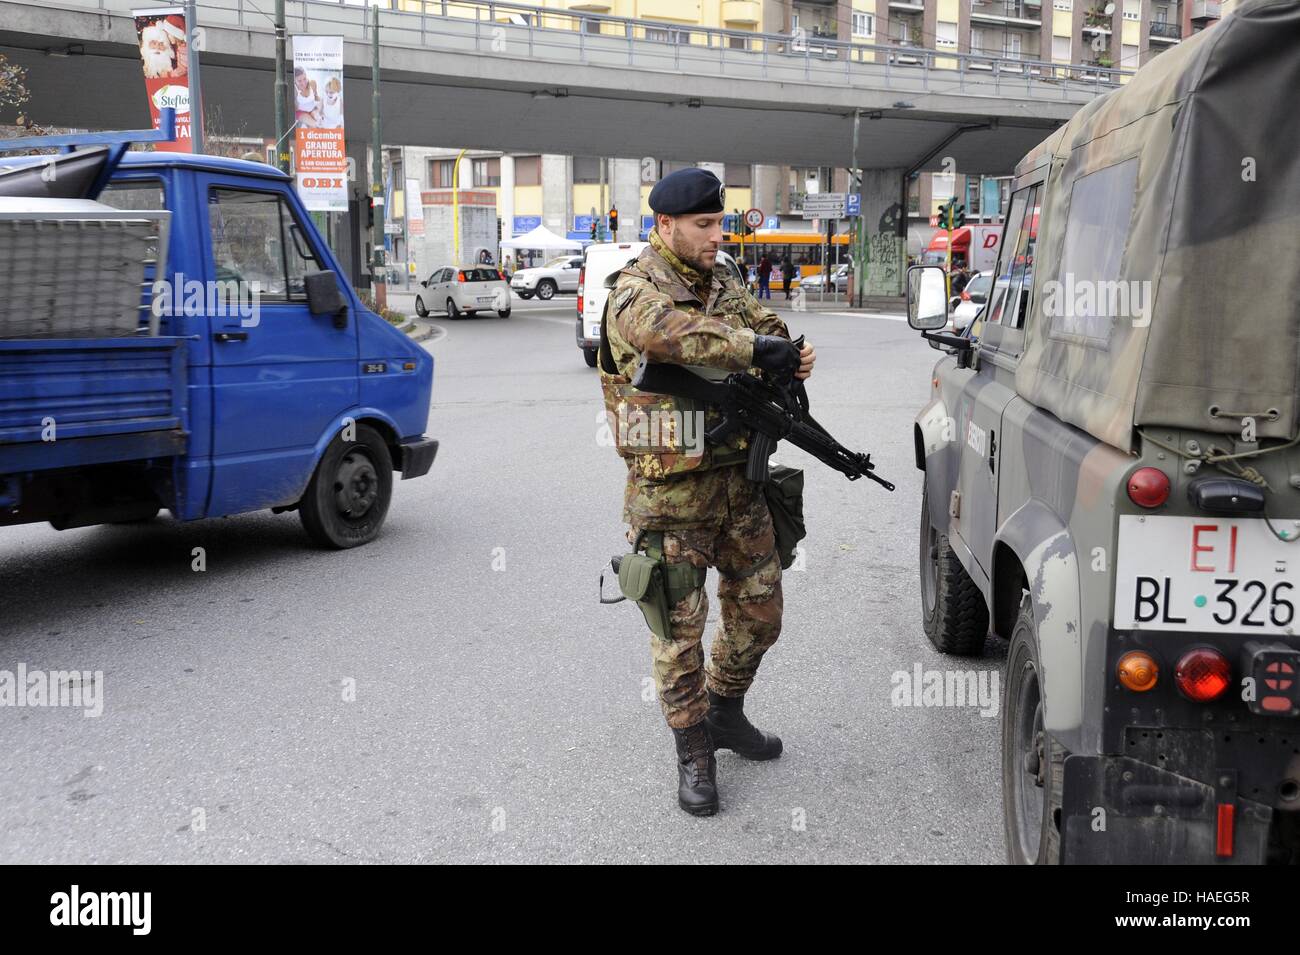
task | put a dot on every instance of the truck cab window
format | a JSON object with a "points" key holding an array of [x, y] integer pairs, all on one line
{"points": [[255, 239]]}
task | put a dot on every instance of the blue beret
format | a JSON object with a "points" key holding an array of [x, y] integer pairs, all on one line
{"points": [[686, 191]]}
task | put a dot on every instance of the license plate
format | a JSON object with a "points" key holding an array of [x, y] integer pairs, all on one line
{"points": [[484, 299], [1206, 575], [595, 331]]}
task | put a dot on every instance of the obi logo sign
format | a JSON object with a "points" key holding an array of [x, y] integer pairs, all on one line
{"points": [[177, 97], [322, 182]]}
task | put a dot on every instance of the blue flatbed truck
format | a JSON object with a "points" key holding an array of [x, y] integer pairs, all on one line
{"points": [[307, 401]]}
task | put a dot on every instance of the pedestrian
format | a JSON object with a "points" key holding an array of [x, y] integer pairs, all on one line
{"points": [[689, 506], [765, 277], [787, 275], [960, 278]]}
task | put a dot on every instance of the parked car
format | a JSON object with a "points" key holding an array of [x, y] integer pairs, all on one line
{"points": [[839, 281], [971, 299], [467, 290], [558, 275], [600, 260]]}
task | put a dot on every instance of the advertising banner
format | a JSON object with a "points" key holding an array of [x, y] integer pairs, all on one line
{"points": [[414, 209], [165, 54], [320, 158]]}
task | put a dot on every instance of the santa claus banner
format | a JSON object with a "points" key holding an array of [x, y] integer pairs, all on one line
{"points": [[165, 55], [320, 157]]}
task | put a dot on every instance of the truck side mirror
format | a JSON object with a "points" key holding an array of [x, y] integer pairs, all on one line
{"points": [[927, 297], [324, 297]]}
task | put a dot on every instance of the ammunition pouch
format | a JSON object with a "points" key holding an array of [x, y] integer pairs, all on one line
{"points": [[784, 493]]}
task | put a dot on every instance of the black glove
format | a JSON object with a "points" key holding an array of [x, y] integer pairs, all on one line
{"points": [[775, 354]]}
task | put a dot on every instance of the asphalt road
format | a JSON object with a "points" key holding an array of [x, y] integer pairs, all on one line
{"points": [[453, 691]]}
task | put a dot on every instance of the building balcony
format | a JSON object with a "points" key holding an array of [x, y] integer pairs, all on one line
{"points": [[741, 11], [1205, 10], [1166, 32], [905, 6], [1013, 13]]}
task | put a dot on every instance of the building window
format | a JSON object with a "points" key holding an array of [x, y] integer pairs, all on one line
{"points": [[440, 173], [1066, 5], [586, 169], [665, 35], [487, 172], [1011, 46], [591, 26], [737, 43], [528, 170], [1061, 49], [1132, 9], [1128, 56], [945, 34], [864, 24], [738, 176], [1160, 14]]}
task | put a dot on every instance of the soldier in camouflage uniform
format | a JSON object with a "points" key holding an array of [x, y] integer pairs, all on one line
{"points": [[688, 502]]}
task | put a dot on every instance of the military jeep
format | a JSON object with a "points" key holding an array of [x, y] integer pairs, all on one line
{"points": [[1111, 460]]}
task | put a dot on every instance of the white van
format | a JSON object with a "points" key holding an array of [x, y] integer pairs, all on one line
{"points": [[599, 261]]}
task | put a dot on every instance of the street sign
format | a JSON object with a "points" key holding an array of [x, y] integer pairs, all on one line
{"points": [[754, 218], [824, 205], [853, 204], [773, 222]]}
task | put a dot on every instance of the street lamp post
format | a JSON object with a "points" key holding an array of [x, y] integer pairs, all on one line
{"points": [[377, 173], [281, 91]]}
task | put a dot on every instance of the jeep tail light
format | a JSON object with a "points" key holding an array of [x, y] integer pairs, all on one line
{"points": [[1203, 674], [1137, 671], [1148, 487]]}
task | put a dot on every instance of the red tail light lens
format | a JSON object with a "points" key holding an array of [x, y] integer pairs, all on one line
{"points": [[1203, 674], [1148, 487]]}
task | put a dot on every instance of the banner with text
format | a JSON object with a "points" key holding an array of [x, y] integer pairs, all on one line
{"points": [[165, 54], [320, 156]]}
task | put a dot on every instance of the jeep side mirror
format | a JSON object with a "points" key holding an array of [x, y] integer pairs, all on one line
{"points": [[927, 297], [324, 297]]}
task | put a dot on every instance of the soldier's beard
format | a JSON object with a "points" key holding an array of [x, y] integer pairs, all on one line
{"points": [[693, 257]]}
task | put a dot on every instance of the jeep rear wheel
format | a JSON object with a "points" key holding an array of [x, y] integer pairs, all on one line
{"points": [[953, 611], [1033, 763]]}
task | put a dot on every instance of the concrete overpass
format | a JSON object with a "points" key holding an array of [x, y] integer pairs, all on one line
{"points": [[483, 74], [512, 77]]}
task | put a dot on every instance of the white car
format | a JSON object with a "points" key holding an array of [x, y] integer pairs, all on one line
{"points": [[558, 275], [464, 290], [839, 281], [601, 260], [971, 300]]}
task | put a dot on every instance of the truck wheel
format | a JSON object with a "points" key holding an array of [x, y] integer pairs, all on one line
{"points": [[452, 310], [546, 290], [420, 308], [347, 498], [504, 313], [1033, 763], [590, 355], [953, 611]]}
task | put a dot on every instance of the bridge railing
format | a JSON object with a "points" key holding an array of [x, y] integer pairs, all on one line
{"points": [[526, 32]]}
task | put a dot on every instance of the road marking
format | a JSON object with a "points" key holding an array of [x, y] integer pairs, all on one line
{"points": [[886, 316]]}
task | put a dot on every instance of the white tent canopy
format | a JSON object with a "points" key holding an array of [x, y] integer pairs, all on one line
{"points": [[541, 238]]}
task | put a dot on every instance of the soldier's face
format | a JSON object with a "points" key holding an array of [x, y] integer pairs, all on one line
{"points": [[694, 239]]}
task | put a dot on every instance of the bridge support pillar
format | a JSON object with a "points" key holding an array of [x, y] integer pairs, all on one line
{"points": [[880, 253]]}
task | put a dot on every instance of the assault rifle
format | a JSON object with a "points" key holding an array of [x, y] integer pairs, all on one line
{"points": [[771, 409]]}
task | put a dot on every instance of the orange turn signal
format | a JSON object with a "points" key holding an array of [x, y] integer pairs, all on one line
{"points": [[1137, 671]]}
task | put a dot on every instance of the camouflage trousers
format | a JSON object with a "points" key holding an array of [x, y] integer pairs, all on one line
{"points": [[743, 550]]}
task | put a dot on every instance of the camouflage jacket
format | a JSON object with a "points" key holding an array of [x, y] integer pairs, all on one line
{"points": [[660, 307]]}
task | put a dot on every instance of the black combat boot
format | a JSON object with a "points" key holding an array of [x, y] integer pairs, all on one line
{"points": [[732, 730], [697, 770]]}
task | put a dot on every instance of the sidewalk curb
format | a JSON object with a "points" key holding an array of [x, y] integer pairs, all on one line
{"points": [[417, 331]]}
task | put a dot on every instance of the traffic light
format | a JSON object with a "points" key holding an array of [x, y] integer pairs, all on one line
{"points": [[959, 217], [945, 211], [370, 212], [593, 228], [613, 222]]}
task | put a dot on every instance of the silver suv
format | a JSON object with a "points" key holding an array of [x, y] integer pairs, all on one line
{"points": [[558, 275]]}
